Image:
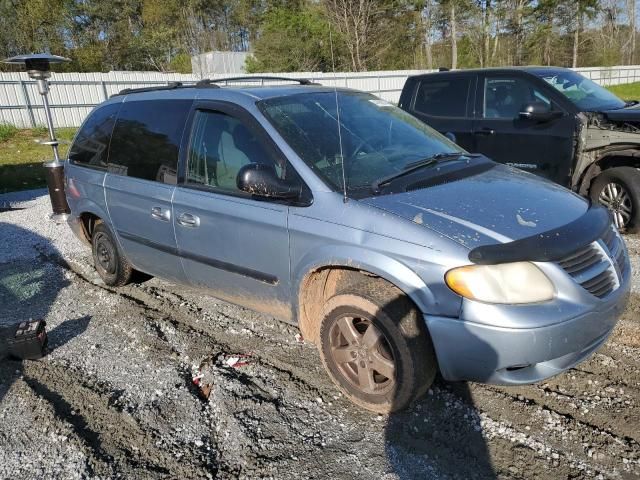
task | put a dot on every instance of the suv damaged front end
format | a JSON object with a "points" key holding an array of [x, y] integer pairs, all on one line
{"points": [[606, 145], [600, 135]]}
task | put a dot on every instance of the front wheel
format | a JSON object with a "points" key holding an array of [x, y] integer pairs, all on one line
{"points": [[618, 189], [375, 347]]}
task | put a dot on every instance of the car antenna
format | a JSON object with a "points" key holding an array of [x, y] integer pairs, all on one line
{"points": [[335, 89]]}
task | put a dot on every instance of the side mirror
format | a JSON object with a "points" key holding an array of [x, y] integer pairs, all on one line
{"points": [[538, 112], [451, 136], [263, 181]]}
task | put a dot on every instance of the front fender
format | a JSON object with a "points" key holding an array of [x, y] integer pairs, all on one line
{"points": [[388, 268]]}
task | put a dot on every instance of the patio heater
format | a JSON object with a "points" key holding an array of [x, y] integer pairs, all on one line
{"points": [[38, 66]]}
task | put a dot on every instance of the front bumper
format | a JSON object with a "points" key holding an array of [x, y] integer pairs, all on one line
{"points": [[512, 356]]}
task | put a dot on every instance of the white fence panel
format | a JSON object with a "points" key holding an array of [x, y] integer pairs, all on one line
{"points": [[73, 95], [611, 75]]}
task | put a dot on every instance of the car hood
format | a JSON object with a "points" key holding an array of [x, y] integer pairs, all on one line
{"points": [[498, 206], [627, 114]]}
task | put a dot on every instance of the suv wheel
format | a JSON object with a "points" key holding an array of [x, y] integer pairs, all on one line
{"points": [[618, 189], [111, 265], [375, 347]]}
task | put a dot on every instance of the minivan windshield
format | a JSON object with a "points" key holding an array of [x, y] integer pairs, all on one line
{"points": [[587, 95], [376, 139]]}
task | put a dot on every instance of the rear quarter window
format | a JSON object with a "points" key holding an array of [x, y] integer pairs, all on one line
{"points": [[443, 97], [91, 145], [146, 139]]}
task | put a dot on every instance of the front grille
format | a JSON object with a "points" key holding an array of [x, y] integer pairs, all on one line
{"points": [[601, 285], [582, 260], [592, 269]]}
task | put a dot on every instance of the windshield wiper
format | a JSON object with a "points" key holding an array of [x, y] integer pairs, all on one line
{"points": [[413, 166], [438, 157]]}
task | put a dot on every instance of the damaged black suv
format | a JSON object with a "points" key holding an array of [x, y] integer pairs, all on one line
{"points": [[550, 121]]}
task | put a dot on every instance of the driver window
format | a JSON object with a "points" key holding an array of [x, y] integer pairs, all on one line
{"points": [[505, 97], [220, 145]]}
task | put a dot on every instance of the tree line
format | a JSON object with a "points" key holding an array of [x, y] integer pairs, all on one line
{"points": [[319, 35]]}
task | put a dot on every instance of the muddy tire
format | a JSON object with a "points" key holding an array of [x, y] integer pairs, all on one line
{"points": [[375, 346], [110, 263], [618, 189]]}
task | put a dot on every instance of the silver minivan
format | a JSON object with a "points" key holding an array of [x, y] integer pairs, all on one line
{"points": [[395, 251]]}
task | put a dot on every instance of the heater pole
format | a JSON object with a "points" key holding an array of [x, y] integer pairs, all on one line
{"points": [[38, 68], [55, 169], [43, 89]]}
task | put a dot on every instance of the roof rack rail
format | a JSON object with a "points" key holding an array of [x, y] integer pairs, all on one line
{"points": [[258, 78], [211, 83], [168, 86]]}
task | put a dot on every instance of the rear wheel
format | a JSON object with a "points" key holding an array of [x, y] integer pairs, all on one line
{"points": [[110, 263], [375, 347], [618, 189]]}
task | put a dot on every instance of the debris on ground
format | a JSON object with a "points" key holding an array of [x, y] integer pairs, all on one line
{"points": [[203, 378], [237, 361]]}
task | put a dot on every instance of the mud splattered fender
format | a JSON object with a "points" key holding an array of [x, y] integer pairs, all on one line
{"points": [[376, 263], [367, 261]]}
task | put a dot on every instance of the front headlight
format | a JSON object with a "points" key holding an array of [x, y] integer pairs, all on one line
{"points": [[519, 282]]}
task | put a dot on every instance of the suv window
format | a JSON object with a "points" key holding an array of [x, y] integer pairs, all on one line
{"points": [[584, 93], [504, 97], [146, 139], [443, 97], [91, 144], [220, 145]]}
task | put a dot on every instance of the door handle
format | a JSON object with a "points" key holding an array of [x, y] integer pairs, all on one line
{"points": [[188, 220], [485, 131], [160, 213]]}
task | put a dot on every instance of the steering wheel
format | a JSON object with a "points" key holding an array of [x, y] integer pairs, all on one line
{"points": [[359, 148], [355, 160]]}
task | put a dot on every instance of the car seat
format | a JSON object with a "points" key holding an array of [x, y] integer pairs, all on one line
{"points": [[505, 103], [244, 141]]}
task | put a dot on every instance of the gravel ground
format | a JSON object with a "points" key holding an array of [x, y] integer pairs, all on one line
{"points": [[114, 398]]}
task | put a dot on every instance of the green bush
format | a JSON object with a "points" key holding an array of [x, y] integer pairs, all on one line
{"points": [[7, 131]]}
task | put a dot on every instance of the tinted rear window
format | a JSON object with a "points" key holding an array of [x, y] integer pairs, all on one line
{"points": [[146, 139], [443, 97], [91, 145]]}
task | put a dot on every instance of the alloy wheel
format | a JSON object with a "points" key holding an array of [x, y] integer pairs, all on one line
{"points": [[617, 199], [362, 354]]}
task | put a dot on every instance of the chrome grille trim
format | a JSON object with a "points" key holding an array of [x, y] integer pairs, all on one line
{"points": [[600, 285], [581, 260], [592, 267], [594, 270]]}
